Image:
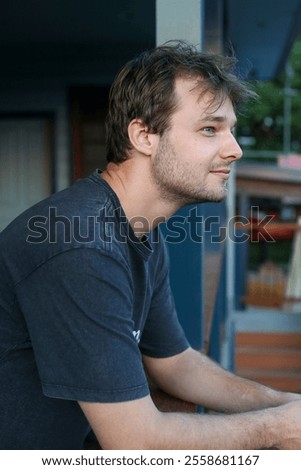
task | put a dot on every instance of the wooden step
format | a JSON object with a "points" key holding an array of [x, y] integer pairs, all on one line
{"points": [[273, 359], [268, 358], [280, 380], [289, 340]]}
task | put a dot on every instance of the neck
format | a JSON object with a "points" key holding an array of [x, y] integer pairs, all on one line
{"points": [[140, 199]]}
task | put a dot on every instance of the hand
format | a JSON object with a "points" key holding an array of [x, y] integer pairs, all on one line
{"points": [[289, 430], [289, 397]]}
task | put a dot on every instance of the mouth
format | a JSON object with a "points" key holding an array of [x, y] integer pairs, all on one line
{"points": [[222, 172]]}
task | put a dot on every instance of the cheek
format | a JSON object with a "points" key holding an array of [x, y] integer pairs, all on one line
{"points": [[190, 150]]}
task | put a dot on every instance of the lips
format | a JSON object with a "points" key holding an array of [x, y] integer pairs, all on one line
{"points": [[225, 171], [222, 172]]}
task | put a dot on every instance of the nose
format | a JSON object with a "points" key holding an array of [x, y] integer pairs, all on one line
{"points": [[232, 150]]}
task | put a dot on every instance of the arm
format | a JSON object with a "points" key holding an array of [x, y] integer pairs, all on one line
{"points": [[193, 377], [139, 425]]}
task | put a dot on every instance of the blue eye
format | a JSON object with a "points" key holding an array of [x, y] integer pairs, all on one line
{"points": [[208, 130]]}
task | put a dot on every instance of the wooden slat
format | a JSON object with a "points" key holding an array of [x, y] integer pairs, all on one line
{"points": [[273, 359], [264, 358], [289, 340]]}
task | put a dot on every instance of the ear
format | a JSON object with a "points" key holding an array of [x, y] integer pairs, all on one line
{"points": [[141, 139]]}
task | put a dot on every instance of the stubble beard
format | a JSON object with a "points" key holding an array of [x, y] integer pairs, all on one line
{"points": [[175, 181]]}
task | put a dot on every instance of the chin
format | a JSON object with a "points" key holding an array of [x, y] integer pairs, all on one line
{"points": [[220, 196], [214, 196]]}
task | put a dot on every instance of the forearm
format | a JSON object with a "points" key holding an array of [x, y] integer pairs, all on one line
{"points": [[256, 430], [139, 425], [193, 377]]}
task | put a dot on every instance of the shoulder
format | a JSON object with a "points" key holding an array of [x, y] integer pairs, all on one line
{"points": [[69, 219]]}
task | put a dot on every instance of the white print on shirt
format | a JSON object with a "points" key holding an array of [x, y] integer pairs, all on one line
{"points": [[137, 335]]}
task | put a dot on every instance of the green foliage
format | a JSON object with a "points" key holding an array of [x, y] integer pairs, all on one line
{"points": [[264, 118]]}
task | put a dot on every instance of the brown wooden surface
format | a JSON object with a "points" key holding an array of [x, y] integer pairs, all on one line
{"points": [[273, 359], [267, 180]]}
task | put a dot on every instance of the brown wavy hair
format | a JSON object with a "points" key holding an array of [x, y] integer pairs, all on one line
{"points": [[145, 89]]}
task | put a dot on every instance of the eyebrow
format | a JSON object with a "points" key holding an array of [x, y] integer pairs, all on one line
{"points": [[212, 118]]}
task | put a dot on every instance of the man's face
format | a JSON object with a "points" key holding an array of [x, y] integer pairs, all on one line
{"points": [[193, 158]]}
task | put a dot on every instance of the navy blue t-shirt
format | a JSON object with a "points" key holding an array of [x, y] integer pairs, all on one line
{"points": [[81, 298]]}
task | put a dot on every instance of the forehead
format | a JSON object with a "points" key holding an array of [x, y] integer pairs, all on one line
{"points": [[193, 98]]}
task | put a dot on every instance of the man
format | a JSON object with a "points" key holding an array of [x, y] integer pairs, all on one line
{"points": [[86, 307]]}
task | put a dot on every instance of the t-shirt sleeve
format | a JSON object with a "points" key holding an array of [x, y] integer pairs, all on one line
{"points": [[163, 335], [79, 317]]}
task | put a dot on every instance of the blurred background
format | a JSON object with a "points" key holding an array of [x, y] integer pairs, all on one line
{"points": [[240, 296]]}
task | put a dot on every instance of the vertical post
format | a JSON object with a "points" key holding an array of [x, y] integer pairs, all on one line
{"points": [[228, 346], [184, 20], [178, 19]]}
